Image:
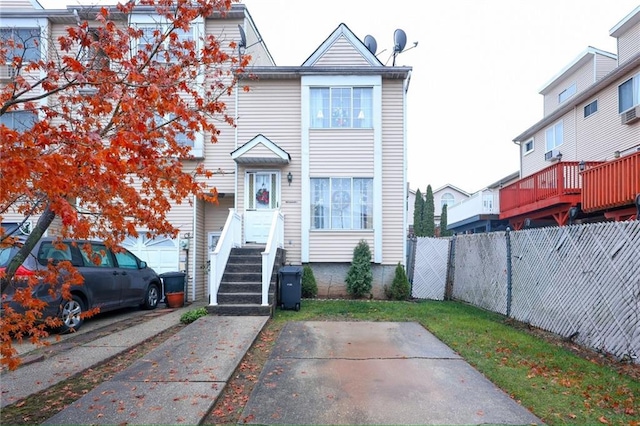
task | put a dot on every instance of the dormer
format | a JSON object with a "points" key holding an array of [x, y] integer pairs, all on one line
{"points": [[627, 33], [589, 67]]}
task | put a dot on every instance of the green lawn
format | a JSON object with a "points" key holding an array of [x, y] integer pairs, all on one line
{"points": [[556, 385]]}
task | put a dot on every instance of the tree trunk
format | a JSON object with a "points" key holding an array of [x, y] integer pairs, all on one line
{"points": [[38, 231]]}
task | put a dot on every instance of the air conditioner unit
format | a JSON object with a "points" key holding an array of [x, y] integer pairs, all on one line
{"points": [[7, 73], [631, 116], [552, 155]]}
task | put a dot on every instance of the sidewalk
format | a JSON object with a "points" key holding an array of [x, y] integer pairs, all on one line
{"points": [[176, 383]]}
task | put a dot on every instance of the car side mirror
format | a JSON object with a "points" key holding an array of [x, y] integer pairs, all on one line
{"points": [[143, 264]]}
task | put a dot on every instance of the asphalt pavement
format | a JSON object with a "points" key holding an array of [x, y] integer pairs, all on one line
{"points": [[318, 373]]}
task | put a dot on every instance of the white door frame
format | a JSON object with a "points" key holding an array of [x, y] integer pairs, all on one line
{"points": [[262, 196]]}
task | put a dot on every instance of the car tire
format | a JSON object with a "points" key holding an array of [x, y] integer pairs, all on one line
{"points": [[71, 314], [151, 297]]}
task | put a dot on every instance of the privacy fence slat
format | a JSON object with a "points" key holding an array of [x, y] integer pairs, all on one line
{"points": [[579, 281]]}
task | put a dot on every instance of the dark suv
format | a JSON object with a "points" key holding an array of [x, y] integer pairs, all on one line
{"points": [[119, 279]]}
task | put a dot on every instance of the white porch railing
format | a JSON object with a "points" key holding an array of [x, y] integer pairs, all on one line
{"points": [[482, 202], [275, 241], [231, 237]]}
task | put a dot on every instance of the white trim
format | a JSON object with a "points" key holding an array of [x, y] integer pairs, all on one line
{"points": [[261, 140], [377, 173], [305, 184], [343, 31]]}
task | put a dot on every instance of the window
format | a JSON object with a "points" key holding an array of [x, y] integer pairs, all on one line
{"points": [[629, 94], [341, 107], [567, 93], [591, 108], [160, 122], [25, 41], [19, 120], [126, 260], [99, 257], [447, 199], [168, 52], [554, 136], [342, 203], [528, 146]]}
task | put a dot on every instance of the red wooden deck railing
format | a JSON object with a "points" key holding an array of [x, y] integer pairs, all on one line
{"points": [[542, 189], [612, 184]]}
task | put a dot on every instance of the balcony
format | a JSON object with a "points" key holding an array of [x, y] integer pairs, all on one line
{"points": [[476, 213], [612, 187], [546, 196]]}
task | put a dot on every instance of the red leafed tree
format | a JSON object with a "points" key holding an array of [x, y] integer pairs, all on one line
{"points": [[107, 115]]}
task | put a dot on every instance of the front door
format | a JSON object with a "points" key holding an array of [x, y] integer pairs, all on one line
{"points": [[262, 192]]}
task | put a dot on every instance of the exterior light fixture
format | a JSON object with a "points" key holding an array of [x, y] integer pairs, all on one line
{"points": [[581, 166], [289, 178]]}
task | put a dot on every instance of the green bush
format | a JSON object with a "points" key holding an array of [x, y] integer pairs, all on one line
{"points": [[400, 288], [309, 285], [192, 315], [359, 277]]}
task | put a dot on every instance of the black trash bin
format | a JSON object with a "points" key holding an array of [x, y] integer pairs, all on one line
{"points": [[290, 278], [173, 283]]}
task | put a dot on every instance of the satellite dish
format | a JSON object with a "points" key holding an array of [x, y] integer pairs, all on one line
{"points": [[243, 37], [371, 44], [399, 40]]}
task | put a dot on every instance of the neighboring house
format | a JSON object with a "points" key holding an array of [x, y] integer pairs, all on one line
{"points": [[481, 211], [446, 194], [316, 163], [580, 162]]}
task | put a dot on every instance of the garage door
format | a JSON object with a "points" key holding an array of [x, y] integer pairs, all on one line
{"points": [[160, 253]]}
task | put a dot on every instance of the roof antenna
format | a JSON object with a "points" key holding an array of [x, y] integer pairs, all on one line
{"points": [[75, 13], [399, 43]]}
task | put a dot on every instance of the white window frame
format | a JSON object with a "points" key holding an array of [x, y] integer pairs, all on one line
{"points": [[24, 26], [567, 93], [634, 84], [19, 116], [447, 198], [525, 146], [595, 104], [328, 220], [554, 136], [328, 110]]}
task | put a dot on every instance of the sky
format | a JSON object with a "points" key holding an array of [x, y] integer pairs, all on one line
{"points": [[477, 69]]}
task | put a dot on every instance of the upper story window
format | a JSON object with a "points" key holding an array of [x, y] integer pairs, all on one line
{"points": [[19, 120], [591, 108], [554, 136], [629, 94], [341, 107], [341, 203], [567, 93], [447, 199], [528, 146], [166, 53], [23, 43]]}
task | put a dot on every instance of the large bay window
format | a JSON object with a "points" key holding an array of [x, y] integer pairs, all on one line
{"points": [[341, 203], [341, 107]]}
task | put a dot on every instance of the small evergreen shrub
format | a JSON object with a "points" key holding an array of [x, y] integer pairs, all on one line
{"points": [[192, 315], [400, 288], [309, 285], [360, 277]]}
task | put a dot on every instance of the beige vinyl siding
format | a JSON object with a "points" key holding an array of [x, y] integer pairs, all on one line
{"points": [[583, 78], [341, 153], [260, 151], [327, 246], [629, 43], [604, 65], [342, 53], [602, 133], [259, 56], [18, 4], [272, 108], [393, 165]]}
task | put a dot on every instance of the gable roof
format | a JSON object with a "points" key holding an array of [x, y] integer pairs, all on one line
{"points": [[260, 150], [342, 33]]}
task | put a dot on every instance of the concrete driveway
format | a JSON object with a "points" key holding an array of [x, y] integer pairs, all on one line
{"points": [[373, 373]]}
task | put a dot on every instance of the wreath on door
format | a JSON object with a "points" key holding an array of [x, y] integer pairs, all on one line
{"points": [[262, 196]]}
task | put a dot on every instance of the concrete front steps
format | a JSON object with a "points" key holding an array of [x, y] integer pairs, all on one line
{"points": [[240, 291]]}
